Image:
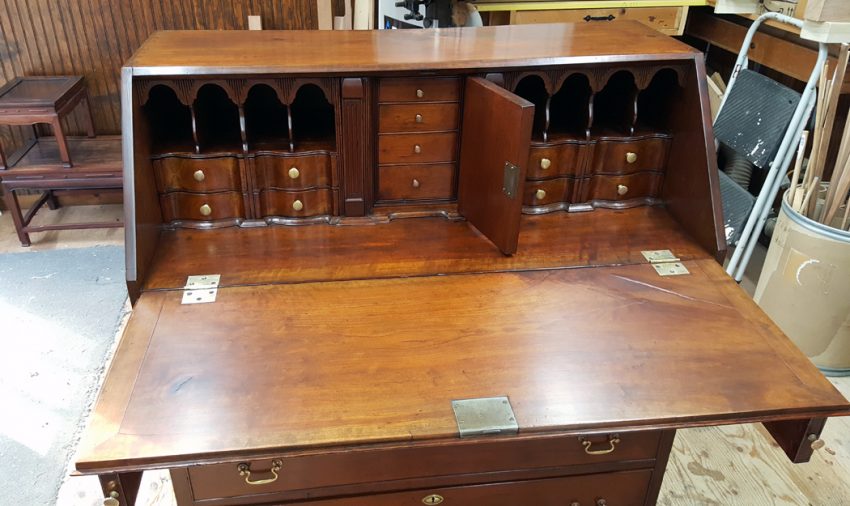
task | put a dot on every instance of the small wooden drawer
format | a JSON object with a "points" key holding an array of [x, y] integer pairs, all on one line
{"points": [[417, 117], [295, 204], [298, 474], [629, 187], [541, 193], [630, 156], [197, 174], [556, 160], [417, 148], [415, 182], [179, 206], [621, 488], [419, 89], [293, 172]]}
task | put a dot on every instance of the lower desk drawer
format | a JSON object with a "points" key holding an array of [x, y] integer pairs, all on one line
{"points": [[628, 488], [541, 193], [417, 148], [464, 457], [293, 172], [622, 188], [415, 182], [197, 174], [296, 203], [179, 206]]}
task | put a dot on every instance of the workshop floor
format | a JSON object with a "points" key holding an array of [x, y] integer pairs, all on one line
{"points": [[733, 465]]}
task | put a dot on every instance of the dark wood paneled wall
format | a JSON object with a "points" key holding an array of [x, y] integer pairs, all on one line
{"points": [[94, 37]]}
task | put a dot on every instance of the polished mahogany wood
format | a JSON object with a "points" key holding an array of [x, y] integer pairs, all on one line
{"points": [[197, 174], [613, 157], [540, 193], [414, 247], [310, 340], [637, 185], [415, 182], [561, 159], [417, 117], [419, 90], [180, 206], [295, 203], [310, 171], [425, 147], [361, 52], [496, 134]]}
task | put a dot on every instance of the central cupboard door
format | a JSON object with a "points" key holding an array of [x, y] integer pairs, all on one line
{"points": [[495, 141]]}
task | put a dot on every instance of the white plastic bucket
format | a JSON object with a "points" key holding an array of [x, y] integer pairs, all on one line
{"points": [[805, 288]]}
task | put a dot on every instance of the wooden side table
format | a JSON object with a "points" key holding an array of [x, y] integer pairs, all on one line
{"points": [[44, 99]]}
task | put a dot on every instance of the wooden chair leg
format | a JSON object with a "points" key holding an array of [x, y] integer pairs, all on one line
{"points": [[11, 200], [62, 142], [52, 202]]}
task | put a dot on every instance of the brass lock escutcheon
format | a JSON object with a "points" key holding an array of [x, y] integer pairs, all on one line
{"points": [[545, 163], [418, 118], [245, 471], [622, 189], [205, 210], [631, 157], [420, 93], [199, 175], [613, 441], [294, 173], [432, 499], [298, 205]]}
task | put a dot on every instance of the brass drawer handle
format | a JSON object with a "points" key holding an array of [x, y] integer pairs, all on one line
{"points": [[205, 210], [417, 149], [545, 163], [540, 194], [631, 157], [245, 470], [432, 499], [199, 175], [418, 118], [298, 205], [294, 173], [420, 93], [622, 189], [416, 183], [613, 441]]}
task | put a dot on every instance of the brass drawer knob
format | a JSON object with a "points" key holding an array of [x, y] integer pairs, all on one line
{"points": [[417, 149], [540, 194], [432, 499], [416, 183], [294, 173], [613, 441], [245, 471], [622, 189], [418, 118], [631, 157], [601, 502], [111, 501], [420, 93], [545, 163], [199, 175], [298, 205], [205, 210]]}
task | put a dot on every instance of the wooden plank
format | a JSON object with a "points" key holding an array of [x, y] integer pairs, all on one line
{"points": [[781, 55], [828, 10]]}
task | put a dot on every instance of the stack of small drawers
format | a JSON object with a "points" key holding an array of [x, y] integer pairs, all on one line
{"points": [[417, 139], [200, 189]]}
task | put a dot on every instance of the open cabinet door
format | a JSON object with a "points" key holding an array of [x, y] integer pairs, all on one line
{"points": [[496, 135]]}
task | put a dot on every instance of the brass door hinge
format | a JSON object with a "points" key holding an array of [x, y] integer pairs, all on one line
{"points": [[201, 289], [665, 262], [484, 416]]}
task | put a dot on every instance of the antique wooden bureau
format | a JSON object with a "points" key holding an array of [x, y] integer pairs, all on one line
{"points": [[431, 269]]}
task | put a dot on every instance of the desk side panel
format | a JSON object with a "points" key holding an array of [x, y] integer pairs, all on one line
{"points": [[142, 216]]}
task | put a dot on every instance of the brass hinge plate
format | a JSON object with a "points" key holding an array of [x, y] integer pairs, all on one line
{"points": [[510, 181], [201, 289], [665, 262], [484, 416]]}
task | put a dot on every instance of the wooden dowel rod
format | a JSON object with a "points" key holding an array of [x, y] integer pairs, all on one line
{"points": [[798, 164]]}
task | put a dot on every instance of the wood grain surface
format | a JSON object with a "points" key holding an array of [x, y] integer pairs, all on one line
{"points": [[433, 339]]}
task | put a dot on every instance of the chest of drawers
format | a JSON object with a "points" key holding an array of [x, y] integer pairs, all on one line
{"points": [[399, 243]]}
